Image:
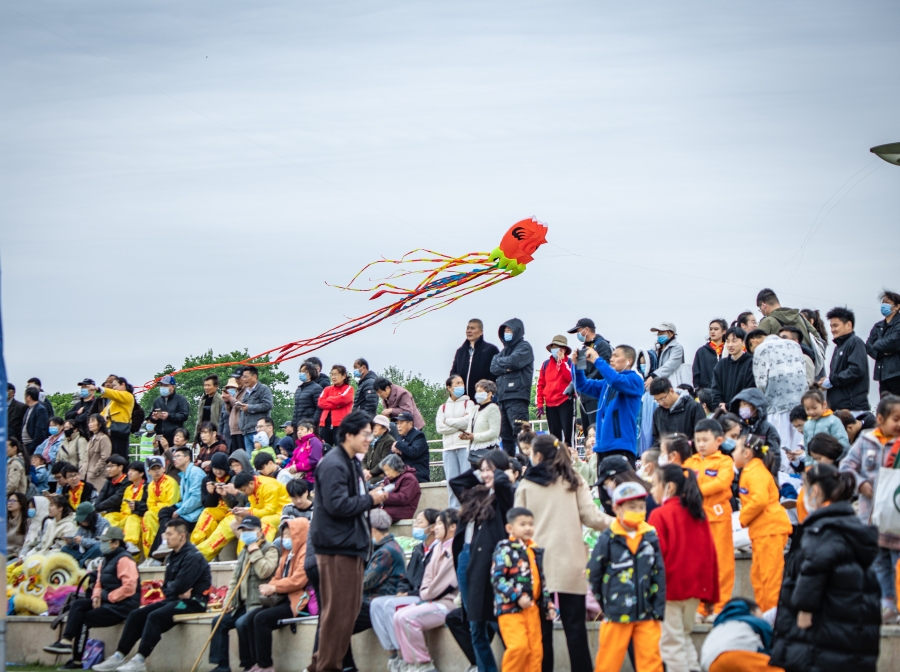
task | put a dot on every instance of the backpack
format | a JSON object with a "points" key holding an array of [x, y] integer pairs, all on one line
{"points": [[137, 418], [818, 344]]}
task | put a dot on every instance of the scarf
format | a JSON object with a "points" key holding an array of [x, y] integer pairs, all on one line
{"points": [[75, 495], [717, 348]]}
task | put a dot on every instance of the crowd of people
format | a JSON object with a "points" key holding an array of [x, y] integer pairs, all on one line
{"points": [[654, 454]]}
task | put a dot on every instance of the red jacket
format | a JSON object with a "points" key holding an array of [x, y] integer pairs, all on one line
{"points": [[692, 570], [338, 400], [554, 379], [403, 502]]}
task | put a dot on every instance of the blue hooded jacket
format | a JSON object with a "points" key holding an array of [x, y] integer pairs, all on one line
{"points": [[619, 404]]}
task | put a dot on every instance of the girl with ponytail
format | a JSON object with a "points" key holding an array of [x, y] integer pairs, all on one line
{"points": [[692, 570], [829, 612], [561, 502]]}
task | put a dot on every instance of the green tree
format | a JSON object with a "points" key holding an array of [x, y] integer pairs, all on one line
{"points": [[62, 402], [429, 396], [190, 384]]}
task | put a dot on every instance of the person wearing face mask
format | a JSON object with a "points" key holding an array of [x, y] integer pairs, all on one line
{"points": [[669, 353], [115, 595], [263, 559], [50, 447], [381, 447], [829, 607], [87, 403], [692, 572], [365, 399], [170, 410], [307, 395], [484, 429], [586, 332], [552, 398], [514, 368], [264, 439], [752, 408], [627, 576], [615, 470], [453, 417], [883, 345]]}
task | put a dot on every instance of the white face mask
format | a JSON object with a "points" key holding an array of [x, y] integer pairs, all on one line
{"points": [[663, 459], [811, 504]]}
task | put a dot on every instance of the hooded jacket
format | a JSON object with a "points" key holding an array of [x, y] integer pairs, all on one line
{"points": [[240, 455], [788, 317], [758, 424], [730, 377], [512, 576], [883, 345], [619, 396], [36, 526], [705, 360], [263, 561], [864, 461], [414, 450], [290, 577], [779, 369], [849, 374], [829, 573], [474, 367], [366, 400], [682, 417], [306, 400], [402, 503], [514, 364]]}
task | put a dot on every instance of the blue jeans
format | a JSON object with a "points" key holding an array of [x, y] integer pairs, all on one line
{"points": [[884, 565], [456, 462], [482, 632], [462, 564], [248, 444], [83, 558]]}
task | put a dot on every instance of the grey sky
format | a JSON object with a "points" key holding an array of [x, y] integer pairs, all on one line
{"points": [[184, 176]]}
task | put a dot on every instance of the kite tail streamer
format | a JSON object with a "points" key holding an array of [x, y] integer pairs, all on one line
{"points": [[446, 280]]}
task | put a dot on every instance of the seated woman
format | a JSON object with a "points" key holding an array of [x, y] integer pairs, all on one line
{"points": [[211, 443], [217, 502], [17, 520], [58, 526], [381, 611], [384, 442], [41, 508], [438, 591], [404, 500], [84, 544], [288, 582]]}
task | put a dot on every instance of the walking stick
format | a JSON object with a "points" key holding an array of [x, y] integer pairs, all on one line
{"points": [[237, 587]]}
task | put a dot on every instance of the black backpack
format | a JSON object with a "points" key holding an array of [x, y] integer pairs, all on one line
{"points": [[137, 417]]}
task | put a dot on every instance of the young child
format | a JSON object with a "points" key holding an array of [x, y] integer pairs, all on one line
{"points": [[822, 449], [821, 419], [872, 451], [520, 593], [763, 515], [752, 407], [674, 449], [689, 554], [715, 475], [740, 641], [628, 578], [798, 418], [40, 475]]}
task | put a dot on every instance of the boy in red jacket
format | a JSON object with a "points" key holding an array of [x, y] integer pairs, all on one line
{"points": [[553, 381]]}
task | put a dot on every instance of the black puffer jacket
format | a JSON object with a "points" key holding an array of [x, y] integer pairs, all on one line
{"points": [[730, 377], [514, 365], [480, 366], [681, 418], [366, 400], [829, 574], [883, 345], [849, 374], [306, 400], [705, 361]]}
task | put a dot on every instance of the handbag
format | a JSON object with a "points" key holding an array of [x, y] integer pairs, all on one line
{"points": [[273, 600], [120, 428], [886, 502]]}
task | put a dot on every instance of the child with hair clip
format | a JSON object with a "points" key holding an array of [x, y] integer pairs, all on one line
{"points": [[763, 515], [689, 555]]}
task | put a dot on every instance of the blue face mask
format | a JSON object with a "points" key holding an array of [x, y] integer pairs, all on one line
{"points": [[458, 392], [83, 392], [886, 309], [643, 368], [53, 431], [481, 397], [287, 544], [507, 336], [149, 426], [164, 391], [248, 537], [729, 444], [303, 377], [31, 513], [581, 337], [356, 373], [419, 534], [662, 339]]}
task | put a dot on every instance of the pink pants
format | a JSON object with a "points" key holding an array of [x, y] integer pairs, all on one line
{"points": [[410, 624]]}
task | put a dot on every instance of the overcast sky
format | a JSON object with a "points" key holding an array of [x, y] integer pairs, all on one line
{"points": [[180, 176]]}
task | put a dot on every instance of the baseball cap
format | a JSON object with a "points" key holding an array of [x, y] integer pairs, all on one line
{"points": [[612, 465], [666, 326], [113, 534], [250, 523], [584, 322], [154, 461], [83, 511], [86, 382], [627, 491], [404, 416], [167, 380], [287, 423], [382, 420]]}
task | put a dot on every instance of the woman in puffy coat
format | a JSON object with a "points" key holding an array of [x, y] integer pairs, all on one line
{"points": [[452, 419], [307, 453], [335, 403], [829, 615], [403, 501]]}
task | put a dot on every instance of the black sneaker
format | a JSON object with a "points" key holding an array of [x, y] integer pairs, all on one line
{"points": [[59, 646], [71, 665]]}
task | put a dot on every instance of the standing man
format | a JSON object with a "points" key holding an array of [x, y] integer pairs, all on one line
{"points": [[412, 447], [185, 586], [209, 408], [514, 368], [36, 423], [188, 508], [15, 413], [42, 396], [848, 378], [306, 398], [170, 410], [88, 403], [708, 355], [256, 403], [775, 317], [586, 332], [341, 537], [231, 413], [365, 399], [472, 361]]}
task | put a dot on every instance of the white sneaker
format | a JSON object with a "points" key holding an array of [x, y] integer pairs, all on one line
{"points": [[423, 667], [132, 548], [150, 562], [472, 668], [136, 664], [111, 664], [162, 551], [395, 664]]}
